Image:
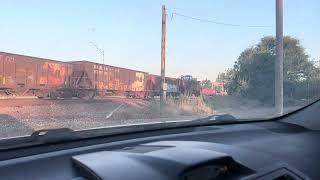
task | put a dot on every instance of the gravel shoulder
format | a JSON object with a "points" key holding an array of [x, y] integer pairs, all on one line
{"points": [[21, 117]]}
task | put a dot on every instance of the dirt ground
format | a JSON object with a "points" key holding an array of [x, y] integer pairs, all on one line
{"points": [[242, 108], [19, 117], [23, 116]]}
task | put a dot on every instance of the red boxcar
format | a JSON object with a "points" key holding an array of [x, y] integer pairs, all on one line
{"points": [[153, 85], [208, 91]]}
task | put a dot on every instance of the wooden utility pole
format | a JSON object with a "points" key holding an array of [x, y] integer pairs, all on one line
{"points": [[163, 58], [279, 58]]}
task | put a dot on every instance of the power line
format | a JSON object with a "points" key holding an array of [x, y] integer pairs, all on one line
{"points": [[217, 22]]}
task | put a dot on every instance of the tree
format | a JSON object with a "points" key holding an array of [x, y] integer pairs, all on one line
{"points": [[206, 83], [222, 77], [253, 73]]}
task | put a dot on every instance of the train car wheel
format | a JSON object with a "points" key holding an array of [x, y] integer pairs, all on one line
{"points": [[40, 94], [86, 94], [53, 95], [66, 94]]}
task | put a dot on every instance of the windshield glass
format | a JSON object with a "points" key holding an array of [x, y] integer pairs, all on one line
{"points": [[93, 64]]}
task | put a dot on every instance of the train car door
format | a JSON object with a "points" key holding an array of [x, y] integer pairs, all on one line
{"points": [[2, 79], [8, 67], [31, 75], [106, 70]]}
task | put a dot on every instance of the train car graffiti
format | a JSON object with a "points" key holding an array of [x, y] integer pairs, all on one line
{"points": [[110, 80]]}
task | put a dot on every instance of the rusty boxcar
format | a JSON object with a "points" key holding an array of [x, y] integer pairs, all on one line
{"points": [[111, 80], [25, 75]]}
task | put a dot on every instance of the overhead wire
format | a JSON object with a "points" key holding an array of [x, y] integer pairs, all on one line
{"points": [[217, 22]]}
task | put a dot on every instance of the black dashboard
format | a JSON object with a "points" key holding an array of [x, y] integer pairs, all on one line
{"points": [[287, 148]]}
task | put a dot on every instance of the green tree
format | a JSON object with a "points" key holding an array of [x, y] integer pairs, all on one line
{"points": [[253, 73], [222, 77], [206, 83]]}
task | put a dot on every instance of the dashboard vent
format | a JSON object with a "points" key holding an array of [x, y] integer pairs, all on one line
{"points": [[278, 174], [142, 149]]}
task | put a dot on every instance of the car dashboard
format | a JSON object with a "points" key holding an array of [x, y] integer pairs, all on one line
{"points": [[284, 148], [268, 150]]}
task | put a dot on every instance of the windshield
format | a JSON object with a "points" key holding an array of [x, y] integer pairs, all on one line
{"points": [[94, 64]]}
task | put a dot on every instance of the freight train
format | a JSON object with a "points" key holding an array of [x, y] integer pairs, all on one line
{"points": [[24, 75]]}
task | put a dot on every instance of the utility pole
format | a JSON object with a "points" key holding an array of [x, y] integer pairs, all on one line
{"points": [[279, 58], [163, 59], [101, 51]]}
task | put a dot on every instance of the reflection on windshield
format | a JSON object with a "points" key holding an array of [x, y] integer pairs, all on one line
{"points": [[110, 68]]}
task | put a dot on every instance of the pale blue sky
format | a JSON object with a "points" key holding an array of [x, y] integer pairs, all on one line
{"points": [[130, 31]]}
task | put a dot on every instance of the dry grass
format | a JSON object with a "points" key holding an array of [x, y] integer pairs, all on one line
{"points": [[186, 105], [174, 107]]}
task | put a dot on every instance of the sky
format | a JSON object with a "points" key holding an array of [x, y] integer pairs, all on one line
{"points": [[130, 31]]}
